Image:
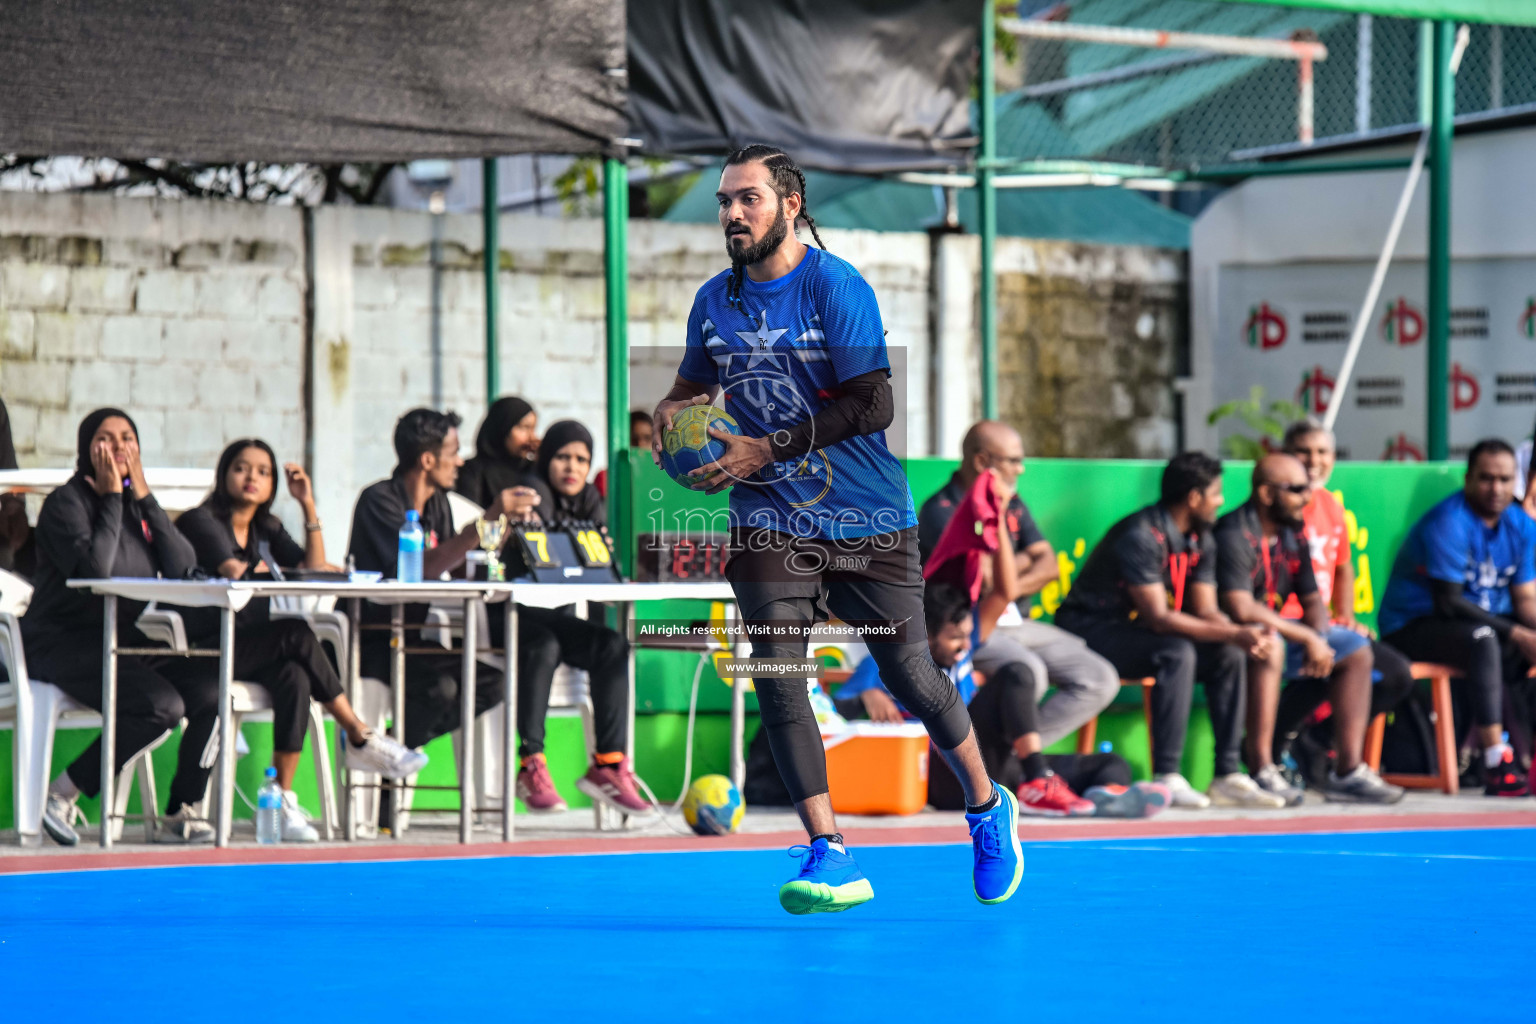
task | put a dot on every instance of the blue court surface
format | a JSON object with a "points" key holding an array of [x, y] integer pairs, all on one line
{"points": [[1400, 926]]}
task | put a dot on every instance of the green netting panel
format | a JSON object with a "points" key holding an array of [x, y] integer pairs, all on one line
{"points": [[1497, 12], [1190, 109]]}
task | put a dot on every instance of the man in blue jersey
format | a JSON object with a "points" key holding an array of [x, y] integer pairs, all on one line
{"points": [[1463, 593], [789, 342]]}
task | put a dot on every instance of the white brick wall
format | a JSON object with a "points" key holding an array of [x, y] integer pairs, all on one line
{"points": [[162, 307]]}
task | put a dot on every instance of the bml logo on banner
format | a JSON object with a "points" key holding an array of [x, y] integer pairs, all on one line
{"points": [[1402, 324], [1464, 389], [1528, 318], [1316, 391], [1266, 328]]}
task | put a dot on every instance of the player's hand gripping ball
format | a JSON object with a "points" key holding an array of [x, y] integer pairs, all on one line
{"points": [[713, 806], [687, 446]]}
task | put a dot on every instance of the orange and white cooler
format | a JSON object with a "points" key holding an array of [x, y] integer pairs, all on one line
{"points": [[878, 768]]}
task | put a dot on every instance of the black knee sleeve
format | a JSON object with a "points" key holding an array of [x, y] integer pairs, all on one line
{"points": [[909, 673], [793, 735]]}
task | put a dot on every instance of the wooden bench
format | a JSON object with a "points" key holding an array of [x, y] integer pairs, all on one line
{"points": [[1447, 779]]}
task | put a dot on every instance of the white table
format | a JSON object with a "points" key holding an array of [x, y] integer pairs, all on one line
{"points": [[230, 596]]}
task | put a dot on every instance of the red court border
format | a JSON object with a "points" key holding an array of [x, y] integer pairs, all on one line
{"points": [[911, 835]]}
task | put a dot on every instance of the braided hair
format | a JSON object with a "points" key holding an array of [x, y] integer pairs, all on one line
{"points": [[786, 178]]}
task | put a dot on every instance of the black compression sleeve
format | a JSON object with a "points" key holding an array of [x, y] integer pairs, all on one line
{"points": [[1451, 602], [865, 406]]}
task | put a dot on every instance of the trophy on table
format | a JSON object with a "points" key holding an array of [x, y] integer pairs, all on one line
{"points": [[492, 533]]}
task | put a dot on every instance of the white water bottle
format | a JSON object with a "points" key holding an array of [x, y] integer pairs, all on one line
{"points": [[412, 541], [269, 810]]}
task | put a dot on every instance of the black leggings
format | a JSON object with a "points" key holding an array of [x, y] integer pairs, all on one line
{"points": [[153, 694], [1176, 663], [284, 656], [547, 637], [1302, 695], [1486, 661], [906, 669]]}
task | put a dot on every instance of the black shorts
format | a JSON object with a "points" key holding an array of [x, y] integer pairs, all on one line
{"points": [[872, 583]]}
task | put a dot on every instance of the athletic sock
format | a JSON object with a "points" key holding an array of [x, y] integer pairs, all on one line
{"points": [[1035, 767], [984, 808], [64, 786], [834, 840], [1494, 755]]}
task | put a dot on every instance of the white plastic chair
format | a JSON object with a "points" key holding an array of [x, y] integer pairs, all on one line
{"points": [[35, 711], [251, 702]]}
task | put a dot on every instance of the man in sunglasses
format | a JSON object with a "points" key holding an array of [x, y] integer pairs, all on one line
{"points": [[1081, 682], [1262, 560]]}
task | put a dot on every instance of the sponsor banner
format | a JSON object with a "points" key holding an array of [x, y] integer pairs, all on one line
{"points": [[1287, 328]]}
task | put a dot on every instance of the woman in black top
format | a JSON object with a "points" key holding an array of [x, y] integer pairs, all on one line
{"points": [[547, 637], [236, 535], [505, 448], [104, 522]]}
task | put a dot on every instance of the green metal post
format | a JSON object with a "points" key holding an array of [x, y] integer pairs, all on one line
{"points": [[987, 196], [616, 279], [490, 205], [1437, 352]]}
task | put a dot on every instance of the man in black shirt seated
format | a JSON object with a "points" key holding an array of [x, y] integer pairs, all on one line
{"points": [[427, 446], [1146, 600], [1261, 560], [1084, 682]]}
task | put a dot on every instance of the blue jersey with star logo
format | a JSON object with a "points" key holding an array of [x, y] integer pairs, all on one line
{"points": [[1452, 543], [779, 358]]}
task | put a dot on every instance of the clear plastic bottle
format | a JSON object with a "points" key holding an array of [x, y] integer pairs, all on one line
{"points": [[269, 810], [412, 541]]}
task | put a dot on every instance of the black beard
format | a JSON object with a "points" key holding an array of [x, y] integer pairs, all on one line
{"points": [[1279, 518], [756, 252]]}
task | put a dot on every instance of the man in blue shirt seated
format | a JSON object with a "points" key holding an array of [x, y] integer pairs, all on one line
{"points": [[1463, 593]]}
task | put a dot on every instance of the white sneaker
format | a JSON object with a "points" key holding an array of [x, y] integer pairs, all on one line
{"points": [[1238, 790], [1271, 781], [384, 756], [1181, 793], [183, 827], [294, 823], [59, 817]]}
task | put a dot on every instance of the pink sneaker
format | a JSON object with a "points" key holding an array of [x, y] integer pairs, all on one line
{"points": [[614, 785], [536, 789]]}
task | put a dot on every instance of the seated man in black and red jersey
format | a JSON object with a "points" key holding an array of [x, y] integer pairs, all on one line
{"points": [[1262, 561], [1146, 600]]}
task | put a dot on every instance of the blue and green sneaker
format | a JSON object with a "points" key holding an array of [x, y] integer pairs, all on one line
{"points": [[829, 881], [999, 859]]}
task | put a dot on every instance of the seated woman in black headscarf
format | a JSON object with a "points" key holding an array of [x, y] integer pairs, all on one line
{"points": [[505, 449], [236, 536], [547, 637], [105, 522]]}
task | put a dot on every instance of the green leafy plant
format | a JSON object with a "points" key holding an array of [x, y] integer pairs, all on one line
{"points": [[1267, 421]]}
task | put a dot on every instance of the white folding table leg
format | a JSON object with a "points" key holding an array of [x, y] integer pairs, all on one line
{"points": [[509, 723], [225, 769], [108, 715]]}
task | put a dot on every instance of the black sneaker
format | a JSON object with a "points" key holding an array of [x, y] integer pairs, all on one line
{"points": [[58, 820], [1506, 778], [1361, 786]]}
